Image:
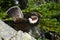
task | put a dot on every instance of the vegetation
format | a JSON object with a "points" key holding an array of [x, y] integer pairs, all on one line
{"points": [[49, 11]]}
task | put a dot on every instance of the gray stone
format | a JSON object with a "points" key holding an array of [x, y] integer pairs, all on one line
{"points": [[0, 38], [23, 36], [6, 31]]}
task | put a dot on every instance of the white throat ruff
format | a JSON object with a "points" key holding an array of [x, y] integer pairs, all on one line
{"points": [[33, 21]]}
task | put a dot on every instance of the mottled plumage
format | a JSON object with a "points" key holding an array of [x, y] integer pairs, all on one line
{"points": [[22, 22]]}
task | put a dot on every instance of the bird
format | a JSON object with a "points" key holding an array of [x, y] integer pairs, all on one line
{"points": [[25, 22]]}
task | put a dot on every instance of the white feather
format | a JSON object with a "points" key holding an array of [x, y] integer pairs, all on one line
{"points": [[33, 21]]}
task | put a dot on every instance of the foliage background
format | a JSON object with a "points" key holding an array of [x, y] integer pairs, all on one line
{"points": [[50, 11]]}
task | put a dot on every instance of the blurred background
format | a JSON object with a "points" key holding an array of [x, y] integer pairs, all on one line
{"points": [[49, 9]]}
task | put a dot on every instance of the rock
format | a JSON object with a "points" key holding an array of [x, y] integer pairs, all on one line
{"points": [[0, 38], [23, 36], [6, 31]]}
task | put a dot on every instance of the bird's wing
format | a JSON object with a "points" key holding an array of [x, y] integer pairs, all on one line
{"points": [[15, 12]]}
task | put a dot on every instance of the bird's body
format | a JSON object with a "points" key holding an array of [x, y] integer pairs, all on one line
{"points": [[24, 26], [26, 23]]}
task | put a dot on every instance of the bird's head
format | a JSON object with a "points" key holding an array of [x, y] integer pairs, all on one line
{"points": [[34, 18]]}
